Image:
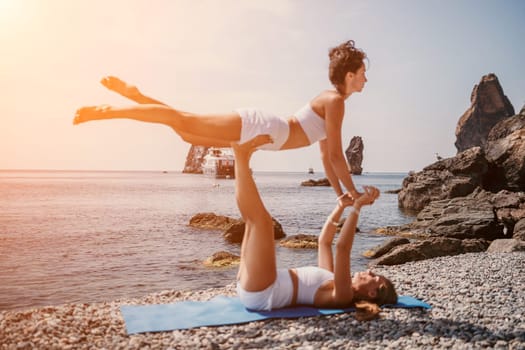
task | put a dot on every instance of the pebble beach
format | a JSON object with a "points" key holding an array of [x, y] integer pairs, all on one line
{"points": [[478, 301]]}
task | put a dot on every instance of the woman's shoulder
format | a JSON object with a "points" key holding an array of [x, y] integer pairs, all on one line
{"points": [[328, 98]]}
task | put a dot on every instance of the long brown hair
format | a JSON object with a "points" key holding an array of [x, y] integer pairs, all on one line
{"points": [[369, 309]]}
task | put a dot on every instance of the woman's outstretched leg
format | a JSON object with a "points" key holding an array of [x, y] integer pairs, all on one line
{"points": [[131, 92], [258, 268], [223, 128]]}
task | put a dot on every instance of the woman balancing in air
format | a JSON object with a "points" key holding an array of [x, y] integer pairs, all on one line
{"points": [[319, 120], [261, 286]]}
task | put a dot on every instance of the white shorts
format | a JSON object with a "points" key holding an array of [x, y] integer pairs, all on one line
{"points": [[276, 296], [256, 122]]}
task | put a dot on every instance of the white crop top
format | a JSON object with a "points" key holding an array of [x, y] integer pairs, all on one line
{"points": [[310, 279], [312, 123]]}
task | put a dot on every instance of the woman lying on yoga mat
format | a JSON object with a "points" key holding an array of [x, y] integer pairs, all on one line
{"points": [[261, 286], [319, 120]]}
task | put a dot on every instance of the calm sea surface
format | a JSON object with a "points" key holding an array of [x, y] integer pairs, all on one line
{"points": [[71, 236]]}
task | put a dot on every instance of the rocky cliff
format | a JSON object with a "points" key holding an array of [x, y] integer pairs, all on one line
{"points": [[496, 163], [489, 105], [465, 202]]}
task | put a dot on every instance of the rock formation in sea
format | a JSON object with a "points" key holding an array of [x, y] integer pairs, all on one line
{"points": [[194, 160], [212, 221], [489, 105], [222, 259], [312, 183], [235, 232], [300, 241], [233, 229], [354, 155]]}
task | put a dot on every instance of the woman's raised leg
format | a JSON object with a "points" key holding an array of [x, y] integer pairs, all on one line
{"points": [[223, 127], [258, 268], [131, 92]]}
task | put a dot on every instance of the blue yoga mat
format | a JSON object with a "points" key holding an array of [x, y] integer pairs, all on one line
{"points": [[219, 311]]}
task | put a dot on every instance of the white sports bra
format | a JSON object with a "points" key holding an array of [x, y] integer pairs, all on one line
{"points": [[312, 124], [309, 280]]}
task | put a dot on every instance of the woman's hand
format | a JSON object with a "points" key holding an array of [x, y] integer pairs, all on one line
{"points": [[355, 194], [369, 196], [345, 200]]}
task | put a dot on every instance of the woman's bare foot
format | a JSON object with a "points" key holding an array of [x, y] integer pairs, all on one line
{"points": [[86, 114], [119, 86], [246, 149]]}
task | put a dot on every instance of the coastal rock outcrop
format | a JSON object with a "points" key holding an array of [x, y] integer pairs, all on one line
{"points": [[312, 182], [300, 241], [354, 155], [481, 214], [222, 259], [448, 178], [477, 197], [431, 248], [212, 221], [195, 159], [235, 232], [233, 229], [506, 246], [505, 152], [385, 247], [519, 230], [489, 105]]}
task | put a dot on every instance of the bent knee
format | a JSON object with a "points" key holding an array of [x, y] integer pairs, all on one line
{"points": [[261, 221]]}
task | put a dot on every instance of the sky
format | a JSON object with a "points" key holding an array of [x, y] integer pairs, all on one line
{"points": [[207, 56]]}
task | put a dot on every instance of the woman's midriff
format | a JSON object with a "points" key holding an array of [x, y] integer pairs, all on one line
{"points": [[296, 137]]}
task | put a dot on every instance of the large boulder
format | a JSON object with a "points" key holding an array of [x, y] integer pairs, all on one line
{"points": [[195, 159], [481, 214], [354, 155], [509, 208], [506, 246], [212, 221], [300, 241], [519, 230], [386, 247], [222, 259], [505, 152], [448, 178], [235, 232], [431, 248], [313, 183], [489, 105]]}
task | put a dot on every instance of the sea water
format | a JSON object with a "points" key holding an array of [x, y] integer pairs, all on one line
{"points": [[81, 236]]}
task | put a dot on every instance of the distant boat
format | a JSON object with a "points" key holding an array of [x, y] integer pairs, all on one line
{"points": [[219, 163], [310, 170]]}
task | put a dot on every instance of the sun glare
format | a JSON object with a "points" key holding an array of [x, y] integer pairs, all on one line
{"points": [[11, 11], [7, 6]]}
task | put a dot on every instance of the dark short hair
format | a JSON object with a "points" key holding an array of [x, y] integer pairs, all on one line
{"points": [[344, 58]]}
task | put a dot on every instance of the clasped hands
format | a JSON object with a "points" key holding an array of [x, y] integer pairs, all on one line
{"points": [[368, 197]]}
